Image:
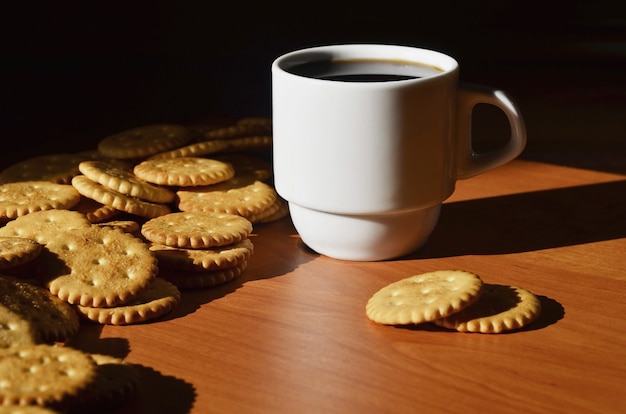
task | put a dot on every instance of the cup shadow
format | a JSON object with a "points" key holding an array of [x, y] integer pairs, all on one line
{"points": [[529, 221]]}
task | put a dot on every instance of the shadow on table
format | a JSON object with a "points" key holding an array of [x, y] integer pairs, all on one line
{"points": [[155, 392], [529, 221]]}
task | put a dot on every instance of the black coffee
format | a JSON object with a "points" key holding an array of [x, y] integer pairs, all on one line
{"points": [[363, 70]]}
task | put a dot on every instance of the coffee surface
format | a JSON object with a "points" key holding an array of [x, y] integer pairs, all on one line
{"points": [[364, 70]]}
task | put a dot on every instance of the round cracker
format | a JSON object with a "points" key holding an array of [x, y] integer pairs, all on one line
{"points": [[184, 171], [500, 308], [196, 230], [144, 141], [44, 375], [24, 197], [15, 330], [53, 319], [124, 181], [57, 168], [118, 201], [424, 297], [98, 266], [192, 150], [43, 226], [200, 260], [241, 195], [159, 299], [15, 251]]}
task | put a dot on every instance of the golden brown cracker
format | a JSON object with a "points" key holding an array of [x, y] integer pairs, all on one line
{"points": [[43, 226], [98, 266], [241, 195], [124, 181], [144, 141], [53, 319], [44, 375], [56, 168], [15, 251], [196, 230], [24, 197], [424, 297], [500, 308], [184, 171], [159, 299], [118, 201]]}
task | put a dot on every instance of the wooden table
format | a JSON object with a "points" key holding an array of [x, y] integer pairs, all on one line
{"points": [[291, 335]]}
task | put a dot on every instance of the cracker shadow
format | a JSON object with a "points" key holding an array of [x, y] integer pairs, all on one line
{"points": [[551, 312], [158, 393], [529, 221]]}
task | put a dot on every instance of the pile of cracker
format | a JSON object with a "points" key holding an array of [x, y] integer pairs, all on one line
{"points": [[454, 299], [112, 236], [139, 178]]}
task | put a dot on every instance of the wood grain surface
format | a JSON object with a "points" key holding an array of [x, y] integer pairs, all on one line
{"points": [[291, 335]]}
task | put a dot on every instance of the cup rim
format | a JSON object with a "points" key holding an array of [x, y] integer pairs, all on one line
{"points": [[445, 63]]}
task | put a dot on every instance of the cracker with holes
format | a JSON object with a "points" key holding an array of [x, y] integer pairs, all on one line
{"points": [[43, 226], [196, 230], [51, 319], [118, 201], [144, 141], [15, 251], [98, 266], [243, 195], [56, 168], [124, 181], [500, 308], [44, 375], [424, 298], [158, 300], [24, 197], [184, 171]]}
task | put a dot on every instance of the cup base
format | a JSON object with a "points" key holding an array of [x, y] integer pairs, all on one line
{"points": [[364, 237]]}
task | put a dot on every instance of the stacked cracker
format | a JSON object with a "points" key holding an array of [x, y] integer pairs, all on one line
{"points": [[454, 299], [87, 234]]}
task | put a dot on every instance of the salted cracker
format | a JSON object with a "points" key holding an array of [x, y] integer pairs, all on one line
{"points": [[500, 308], [98, 266], [424, 297], [124, 181], [118, 201], [44, 375], [144, 141], [56, 168], [15, 251], [158, 300], [184, 171], [242, 195], [196, 230], [24, 197], [52, 319], [43, 226]]}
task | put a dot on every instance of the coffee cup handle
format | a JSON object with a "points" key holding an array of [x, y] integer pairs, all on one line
{"points": [[469, 162]]}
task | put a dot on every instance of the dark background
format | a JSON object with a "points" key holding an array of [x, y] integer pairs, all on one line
{"points": [[74, 71]]}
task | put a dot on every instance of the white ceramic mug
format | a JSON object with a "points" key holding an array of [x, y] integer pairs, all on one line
{"points": [[366, 165]]}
